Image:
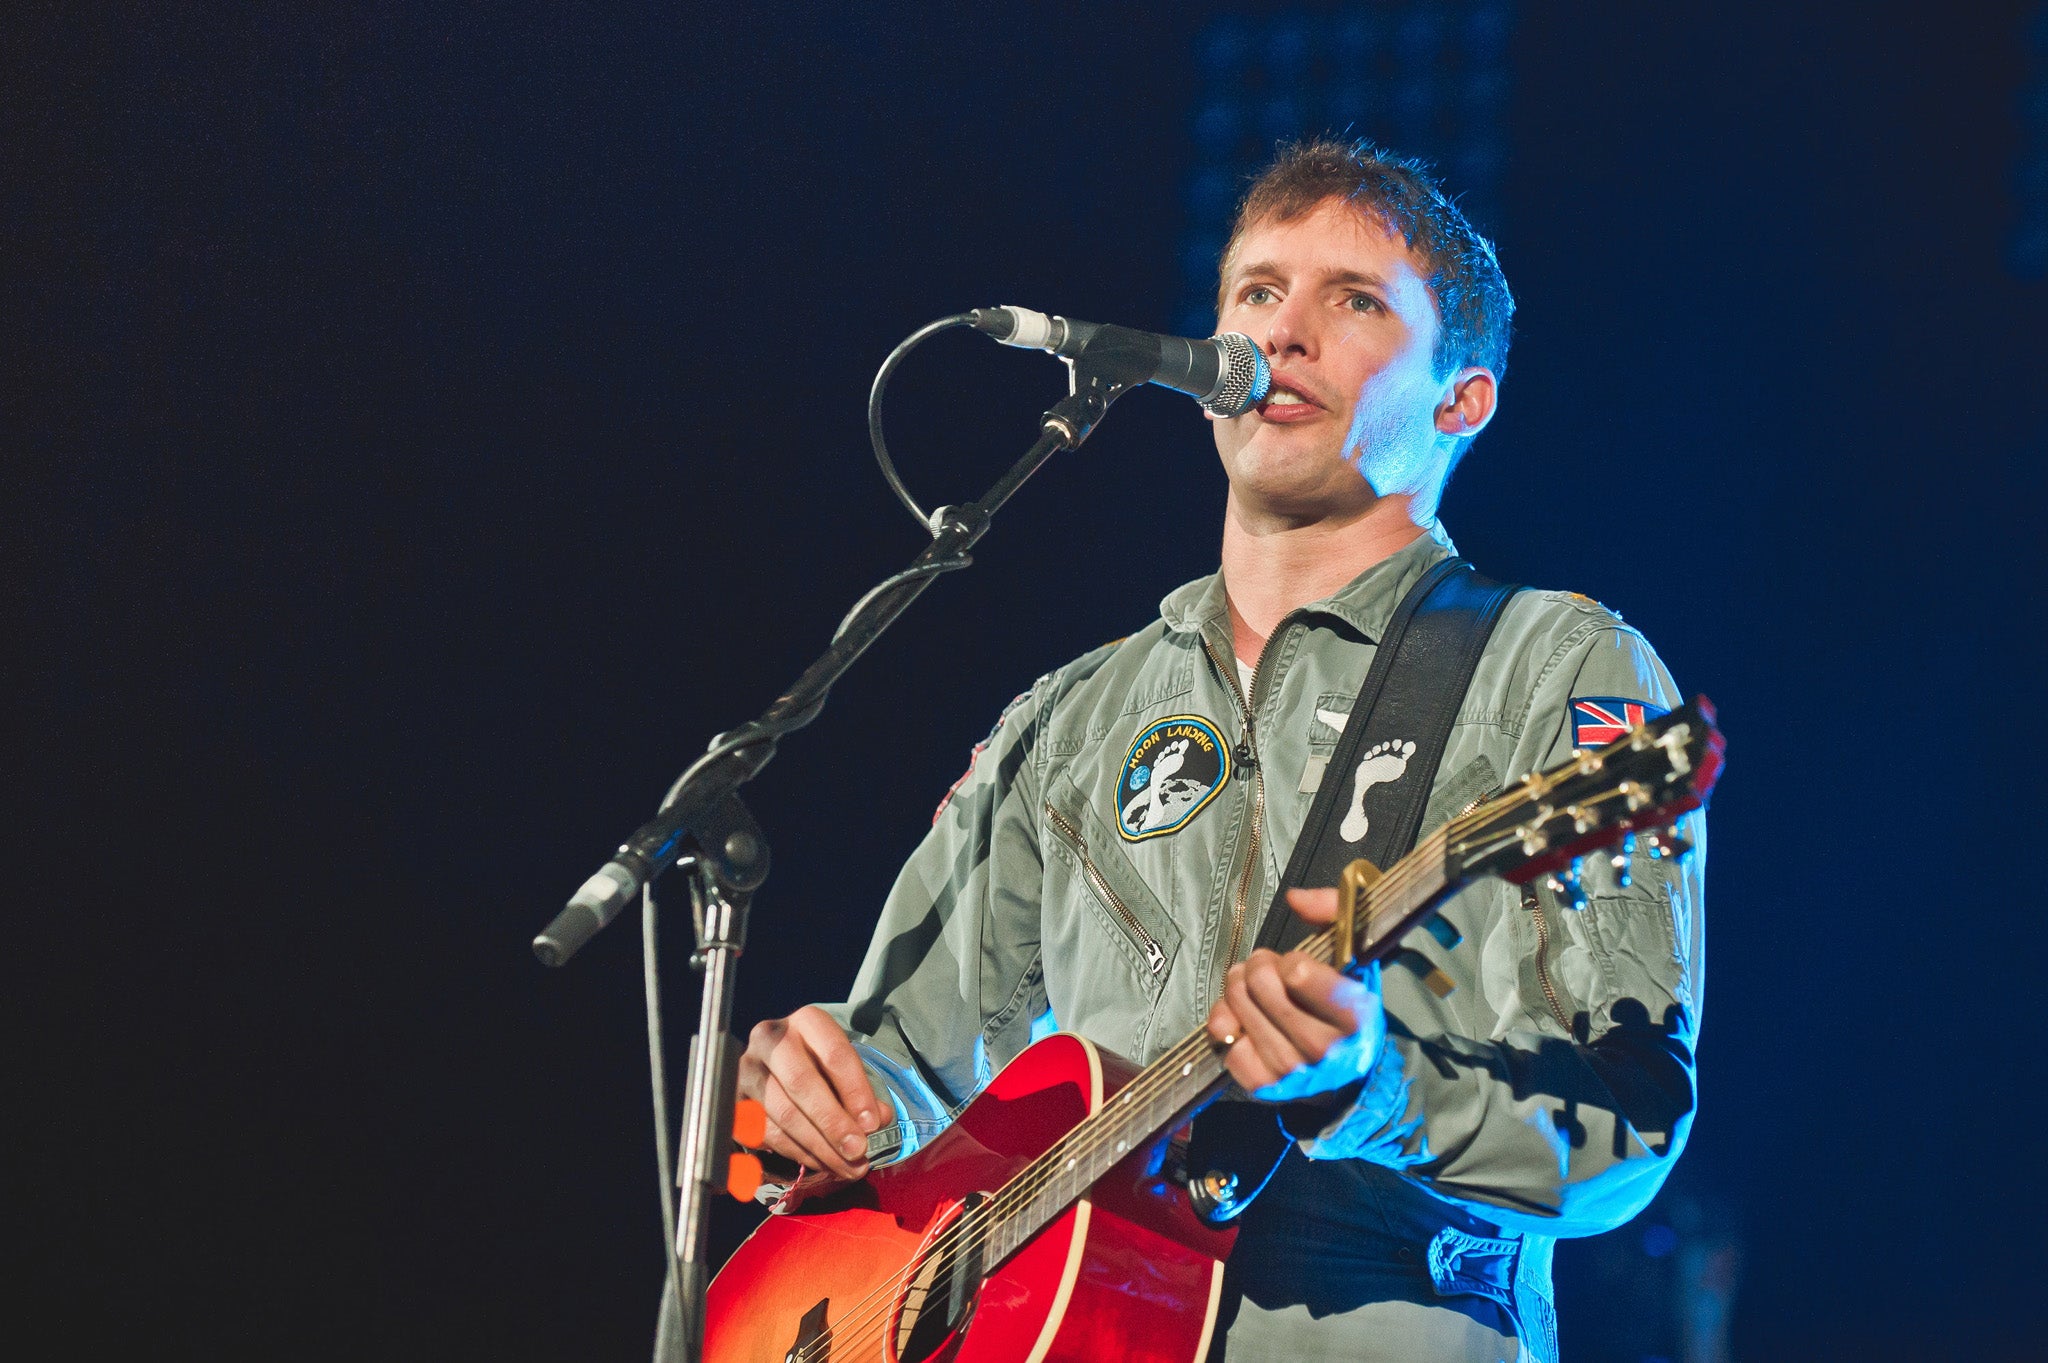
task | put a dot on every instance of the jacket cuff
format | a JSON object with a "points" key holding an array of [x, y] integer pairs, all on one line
{"points": [[915, 1112], [898, 1088], [1373, 1125]]}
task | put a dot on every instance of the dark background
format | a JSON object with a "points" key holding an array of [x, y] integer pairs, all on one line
{"points": [[426, 423]]}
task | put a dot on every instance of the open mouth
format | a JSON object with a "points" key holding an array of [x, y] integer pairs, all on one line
{"points": [[1285, 398]]}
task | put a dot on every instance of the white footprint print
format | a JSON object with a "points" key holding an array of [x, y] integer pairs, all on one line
{"points": [[1386, 762], [1166, 764]]}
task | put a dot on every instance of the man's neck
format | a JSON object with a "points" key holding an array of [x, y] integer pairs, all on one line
{"points": [[1271, 566]]}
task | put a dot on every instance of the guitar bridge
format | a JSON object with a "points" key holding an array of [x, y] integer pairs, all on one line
{"points": [[813, 1336]]}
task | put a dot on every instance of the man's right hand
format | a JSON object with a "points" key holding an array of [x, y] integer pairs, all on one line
{"points": [[808, 1077]]}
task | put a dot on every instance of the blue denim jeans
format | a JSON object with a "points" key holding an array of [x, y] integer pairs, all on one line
{"points": [[1344, 1260]]}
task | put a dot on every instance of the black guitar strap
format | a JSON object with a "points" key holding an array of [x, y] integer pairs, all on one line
{"points": [[1411, 696]]}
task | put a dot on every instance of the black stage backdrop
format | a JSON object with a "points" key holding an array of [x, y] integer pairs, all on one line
{"points": [[426, 424]]}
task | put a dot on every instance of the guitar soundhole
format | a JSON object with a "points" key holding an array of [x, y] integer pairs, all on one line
{"points": [[943, 1286]]}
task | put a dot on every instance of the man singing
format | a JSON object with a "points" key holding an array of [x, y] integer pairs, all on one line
{"points": [[1105, 864]]}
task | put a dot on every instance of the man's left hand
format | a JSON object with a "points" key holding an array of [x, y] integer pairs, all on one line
{"points": [[1300, 1027]]}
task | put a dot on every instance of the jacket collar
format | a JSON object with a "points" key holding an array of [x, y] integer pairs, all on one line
{"points": [[1366, 602]]}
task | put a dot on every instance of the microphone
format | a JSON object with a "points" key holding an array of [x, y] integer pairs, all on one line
{"points": [[1227, 374]]}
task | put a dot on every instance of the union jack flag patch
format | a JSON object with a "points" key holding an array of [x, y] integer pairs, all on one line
{"points": [[1599, 720]]}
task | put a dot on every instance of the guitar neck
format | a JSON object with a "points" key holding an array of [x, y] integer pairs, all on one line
{"points": [[1193, 1071]]}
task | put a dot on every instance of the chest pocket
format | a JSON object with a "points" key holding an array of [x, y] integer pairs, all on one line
{"points": [[1333, 712], [1112, 940]]}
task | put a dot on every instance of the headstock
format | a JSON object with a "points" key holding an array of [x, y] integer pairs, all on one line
{"points": [[1640, 783]]}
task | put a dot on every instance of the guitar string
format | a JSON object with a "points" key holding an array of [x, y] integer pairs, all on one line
{"points": [[1094, 1131]]}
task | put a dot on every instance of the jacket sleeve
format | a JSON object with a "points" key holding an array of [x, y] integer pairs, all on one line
{"points": [[952, 983], [1567, 1118]]}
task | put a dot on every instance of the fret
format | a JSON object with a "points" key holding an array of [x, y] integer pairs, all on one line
{"points": [[1394, 911]]}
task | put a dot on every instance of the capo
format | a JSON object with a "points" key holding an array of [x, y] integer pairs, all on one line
{"points": [[1352, 886]]}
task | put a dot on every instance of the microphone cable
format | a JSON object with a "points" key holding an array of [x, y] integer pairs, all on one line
{"points": [[931, 521]]}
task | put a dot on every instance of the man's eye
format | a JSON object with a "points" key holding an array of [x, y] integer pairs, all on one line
{"points": [[1364, 302], [1258, 294]]}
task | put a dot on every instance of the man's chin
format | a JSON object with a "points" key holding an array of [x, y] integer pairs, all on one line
{"points": [[1289, 468], [1279, 502]]}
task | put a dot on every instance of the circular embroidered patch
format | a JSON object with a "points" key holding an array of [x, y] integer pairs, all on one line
{"points": [[1173, 769]]}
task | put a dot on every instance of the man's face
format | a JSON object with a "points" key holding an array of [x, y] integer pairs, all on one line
{"points": [[1344, 313]]}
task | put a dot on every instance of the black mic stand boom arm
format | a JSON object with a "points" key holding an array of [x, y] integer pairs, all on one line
{"points": [[737, 757]]}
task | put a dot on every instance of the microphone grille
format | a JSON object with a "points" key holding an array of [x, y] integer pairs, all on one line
{"points": [[1245, 377]]}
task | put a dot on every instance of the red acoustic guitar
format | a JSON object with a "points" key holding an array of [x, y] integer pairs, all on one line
{"points": [[1048, 1221]]}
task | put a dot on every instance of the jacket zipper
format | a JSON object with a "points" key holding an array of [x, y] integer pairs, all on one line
{"points": [[1154, 957], [1535, 904], [1242, 906]]}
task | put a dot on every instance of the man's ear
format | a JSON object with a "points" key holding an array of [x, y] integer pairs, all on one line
{"points": [[1467, 403]]}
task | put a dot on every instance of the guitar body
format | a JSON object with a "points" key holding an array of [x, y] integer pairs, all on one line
{"points": [[1126, 1272]]}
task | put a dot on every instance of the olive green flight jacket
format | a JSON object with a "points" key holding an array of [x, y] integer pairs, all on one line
{"points": [[1548, 1094]]}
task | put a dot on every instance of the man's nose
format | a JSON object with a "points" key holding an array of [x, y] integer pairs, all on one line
{"points": [[1290, 331]]}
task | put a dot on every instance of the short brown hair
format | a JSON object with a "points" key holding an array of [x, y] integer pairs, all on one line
{"points": [[1473, 304]]}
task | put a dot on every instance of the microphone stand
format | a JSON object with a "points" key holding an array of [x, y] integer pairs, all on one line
{"points": [[703, 820], [722, 884]]}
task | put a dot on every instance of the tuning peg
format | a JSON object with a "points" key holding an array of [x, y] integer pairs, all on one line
{"points": [[1570, 885], [1623, 850], [1665, 844], [1533, 838], [1668, 842]]}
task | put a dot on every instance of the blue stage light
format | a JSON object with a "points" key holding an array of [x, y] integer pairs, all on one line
{"points": [[1280, 119], [1486, 33], [1217, 125], [1418, 36], [1287, 46], [1358, 35], [1222, 48]]}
